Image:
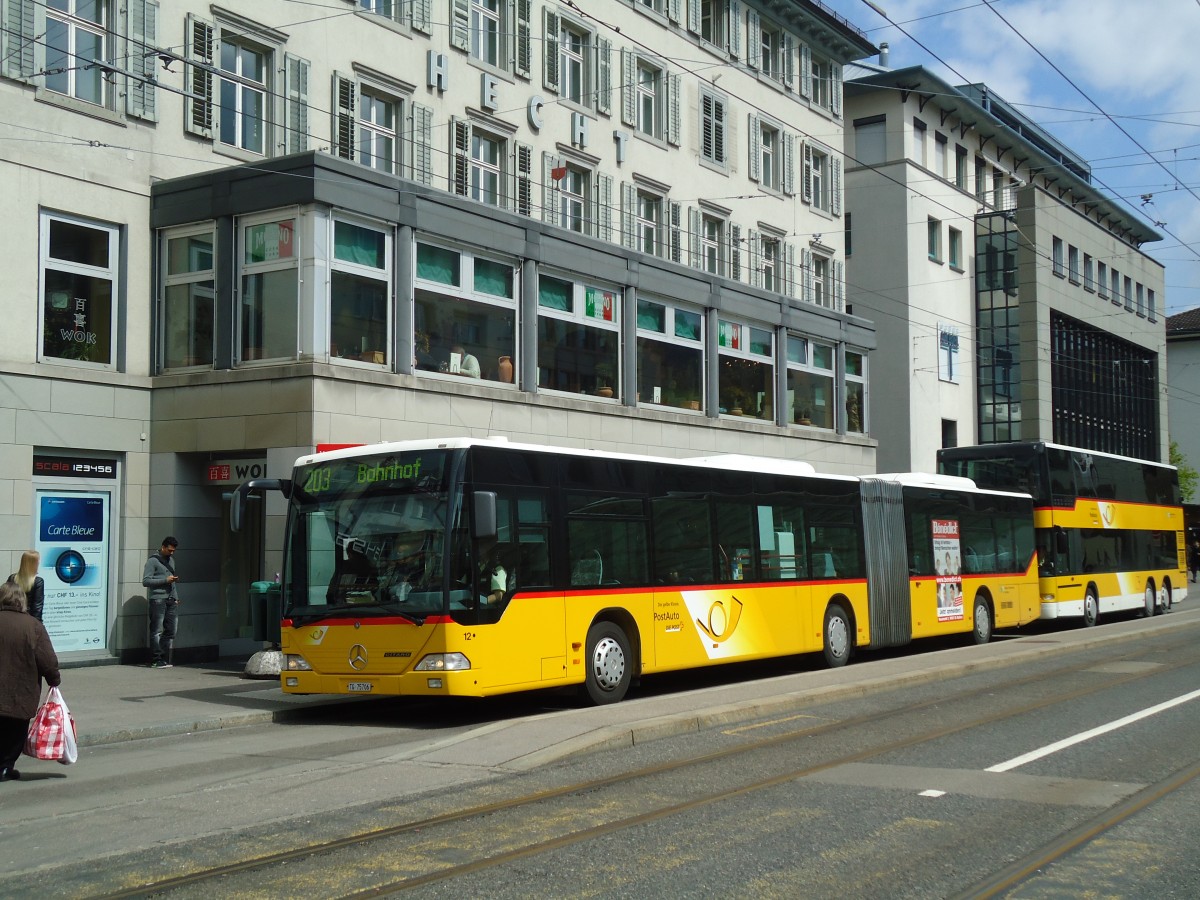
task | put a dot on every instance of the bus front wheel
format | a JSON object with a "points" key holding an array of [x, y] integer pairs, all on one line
{"points": [[982, 632], [609, 664], [837, 636], [1091, 608]]}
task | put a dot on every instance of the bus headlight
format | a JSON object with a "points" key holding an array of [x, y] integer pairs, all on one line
{"points": [[444, 662], [295, 663]]}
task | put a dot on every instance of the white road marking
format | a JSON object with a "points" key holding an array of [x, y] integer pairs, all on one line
{"points": [[1088, 735], [932, 793]]}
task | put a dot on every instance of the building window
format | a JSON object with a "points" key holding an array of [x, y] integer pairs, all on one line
{"points": [[1128, 293], [1089, 283], [960, 167], [712, 244], [822, 294], [1056, 256], [770, 156], [578, 338], [1073, 264], [810, 383], [670, 355], [1141, 299], [243, 93], [76, 33], [948, 353], [934, 240], [822, 82], [920, 143], [464, 314], [746, 380], [770, 56], [1102, 279], [856, 392], [1151, 305], [980, 179], [486, 31], [79, 273], [712, 21], [486, 155], [771, 264], [187, 298], [574, 48], [940, 150], [649, 99], [377, 131], [712, 128], [956, 261], [359, 293], [998, 189], [648, 222], [267, 323], [817, 171], [1115, 284], [573, 206], [870, 141]]}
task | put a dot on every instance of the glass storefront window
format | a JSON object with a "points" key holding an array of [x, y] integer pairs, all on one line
{"points": [[267, 318], [188, 299], [79, 289], [358, 294], [459, 331], [578, 338], [746, 380], [810, 383], [670, 356]]}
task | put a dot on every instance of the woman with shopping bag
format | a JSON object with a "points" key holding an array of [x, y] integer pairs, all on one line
{"points": [[26, 657]]}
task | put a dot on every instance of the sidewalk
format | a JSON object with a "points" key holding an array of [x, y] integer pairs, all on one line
{"points": [[123, 703]]}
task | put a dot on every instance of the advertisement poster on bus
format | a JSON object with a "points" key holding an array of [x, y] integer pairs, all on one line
{"points": [[72, 537], [947, 554]]}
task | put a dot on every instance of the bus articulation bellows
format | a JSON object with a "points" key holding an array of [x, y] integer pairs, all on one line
{"points": [[479, 567]]}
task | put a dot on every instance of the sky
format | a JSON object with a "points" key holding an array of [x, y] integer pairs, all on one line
{"points": [[1114, 80]]}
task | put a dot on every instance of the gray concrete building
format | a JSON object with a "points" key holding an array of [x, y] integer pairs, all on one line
{"points": [[239, 231], [1011, 297]]}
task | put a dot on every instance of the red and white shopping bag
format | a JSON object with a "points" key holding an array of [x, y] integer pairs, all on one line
{"points": [[52, 731]]}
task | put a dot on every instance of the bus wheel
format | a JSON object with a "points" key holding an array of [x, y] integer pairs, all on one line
{"points": [[983, 621], [837, 636], [1165, 597], [1091, 608], [1151, 601], [609, 665]]}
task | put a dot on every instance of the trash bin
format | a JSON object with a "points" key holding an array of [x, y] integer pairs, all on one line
{"points": [[266, 608]]}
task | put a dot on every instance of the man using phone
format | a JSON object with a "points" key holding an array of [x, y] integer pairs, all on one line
{"points": [[160, 579]]}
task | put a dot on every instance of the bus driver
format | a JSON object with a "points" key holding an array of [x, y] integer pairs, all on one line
{"points": [[405, 568]]}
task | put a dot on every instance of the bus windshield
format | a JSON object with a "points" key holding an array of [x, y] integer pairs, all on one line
{"points": [[367, 537]]}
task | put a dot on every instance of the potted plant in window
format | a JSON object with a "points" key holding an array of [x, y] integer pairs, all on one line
{"points": [[804, 416], [604, 379], [738, 400]]}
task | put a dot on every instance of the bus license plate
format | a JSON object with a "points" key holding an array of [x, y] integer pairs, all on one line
{"points": [[359, 686]]}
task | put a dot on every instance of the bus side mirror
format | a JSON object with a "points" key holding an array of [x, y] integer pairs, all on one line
{"points": [[484, 520], [237, 502]]}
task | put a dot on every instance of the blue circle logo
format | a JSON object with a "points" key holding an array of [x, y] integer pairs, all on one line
{"points": [[70, 566]]}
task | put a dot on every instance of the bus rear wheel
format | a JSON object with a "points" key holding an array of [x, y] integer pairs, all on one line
{"points": [[837, 636], [1165, 596], [1151, 601], [1091, 608], [609, 664], [982, 632]]}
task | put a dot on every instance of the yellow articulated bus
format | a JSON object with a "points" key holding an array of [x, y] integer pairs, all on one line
{"points": [[478, 567], [1110, 529]]}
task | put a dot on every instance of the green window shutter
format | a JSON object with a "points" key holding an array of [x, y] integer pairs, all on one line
{"points": [[422, 134], [805, 70], [200, 49], [672, 83], [345, 102], [676, 232], [789, 163], [806, 192], [603, 207], [420, 14], [694, 225], [753, 38], [835, 88], [522, 58], [550, 193], [296, 103], [628, 210], [141, 93], [735, 29], [752, 238], [460, 24], [460, 155], [603, 75], [22, 44], [835, 187], [628, 87], [755, 142], [522, 175], [550, 29], [735, 252]]}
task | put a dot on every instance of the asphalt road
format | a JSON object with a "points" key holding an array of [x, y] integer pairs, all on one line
{"points": [[884, 795]]}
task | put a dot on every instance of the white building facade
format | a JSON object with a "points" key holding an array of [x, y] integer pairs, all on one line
{"points": [[1011, 298], [237, 233]]}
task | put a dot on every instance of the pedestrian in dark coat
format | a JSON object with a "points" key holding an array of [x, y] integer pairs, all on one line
{"points": [[1194, 557], [26, 657]]}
